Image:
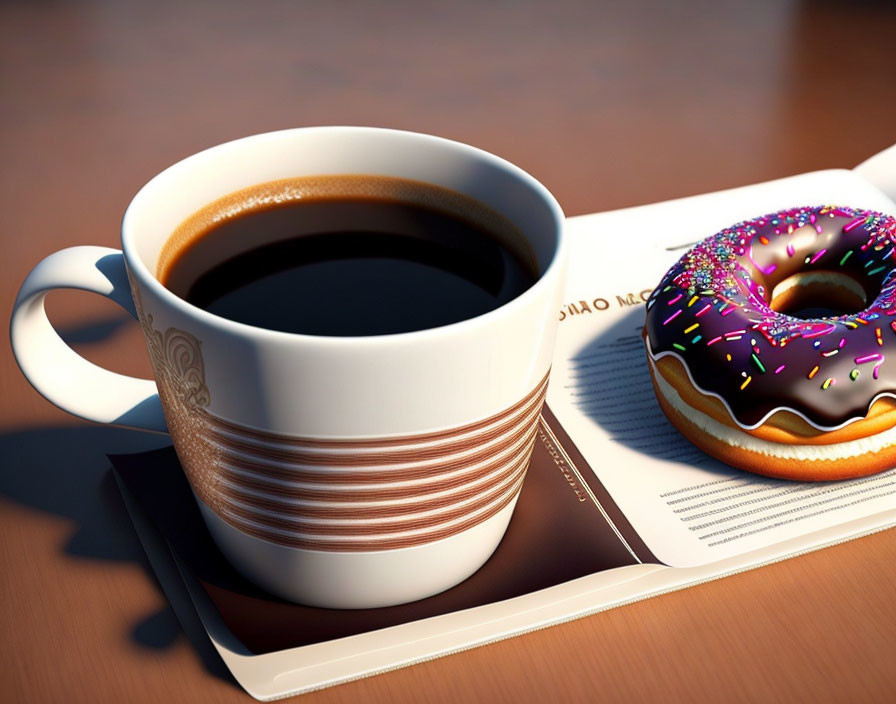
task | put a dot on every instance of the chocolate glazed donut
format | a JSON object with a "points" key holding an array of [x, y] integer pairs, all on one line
{"points": [[772, 344]]}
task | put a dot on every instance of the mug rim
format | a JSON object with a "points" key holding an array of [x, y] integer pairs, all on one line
{"points": [[147, 278]]}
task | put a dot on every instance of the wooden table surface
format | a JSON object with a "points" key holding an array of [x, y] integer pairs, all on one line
{"points": [[609, 104]]}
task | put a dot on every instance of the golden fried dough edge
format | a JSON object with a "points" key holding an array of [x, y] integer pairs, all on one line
{"points": [[777, 467]]}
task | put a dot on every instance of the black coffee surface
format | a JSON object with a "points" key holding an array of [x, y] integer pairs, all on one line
{"points": [[396, 267]]}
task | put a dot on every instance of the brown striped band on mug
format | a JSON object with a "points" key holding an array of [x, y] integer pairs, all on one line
{"points": [[370, 494], [356, 496], [283, 470], [380, 542], [407, 450], [370, 525], [466, 500]]}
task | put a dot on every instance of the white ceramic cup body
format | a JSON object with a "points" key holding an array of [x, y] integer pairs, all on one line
{"points": [[286, 437]]}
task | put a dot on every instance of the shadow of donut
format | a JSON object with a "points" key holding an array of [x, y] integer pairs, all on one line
{"points": [[611, 385]]}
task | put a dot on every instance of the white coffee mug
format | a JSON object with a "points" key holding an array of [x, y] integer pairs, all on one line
{"points": [[345, 472]]}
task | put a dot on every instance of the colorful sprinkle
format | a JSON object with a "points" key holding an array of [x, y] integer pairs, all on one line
{"points": [[849, 227], [818, 256], [814, 371], [672, 317], [757, 362], [817, 333], [744, 385]]}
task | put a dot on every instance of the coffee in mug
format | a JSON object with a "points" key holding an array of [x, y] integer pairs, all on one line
{"points": [[347, 255]]}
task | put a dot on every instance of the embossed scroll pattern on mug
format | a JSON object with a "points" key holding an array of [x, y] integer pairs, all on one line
{"points": [[352, 494]]}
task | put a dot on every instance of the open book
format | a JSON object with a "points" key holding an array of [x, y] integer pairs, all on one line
{"points": [[616, 506]]}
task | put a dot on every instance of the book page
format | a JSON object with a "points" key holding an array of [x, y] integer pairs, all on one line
{"points": [[688, 508]]}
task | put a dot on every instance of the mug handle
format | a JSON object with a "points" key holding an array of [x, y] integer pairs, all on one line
{"points": [[59, 373]]}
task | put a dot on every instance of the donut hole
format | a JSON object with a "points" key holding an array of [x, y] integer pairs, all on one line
{"points": [[818, 294]]}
